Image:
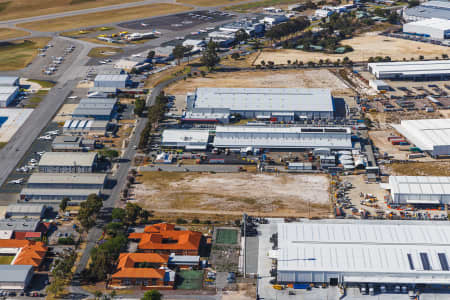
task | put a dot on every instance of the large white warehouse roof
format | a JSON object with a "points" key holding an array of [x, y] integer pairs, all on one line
{"points": [[282, 137], [435, 23], [189, 139], [425, 185], [409, 68], [429, 134], [265, 99], [366, 251]]}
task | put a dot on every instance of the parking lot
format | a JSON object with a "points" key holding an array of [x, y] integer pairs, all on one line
{"points": [[179, 22]]}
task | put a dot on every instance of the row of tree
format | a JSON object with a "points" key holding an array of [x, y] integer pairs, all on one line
{"points": [[287, 28]]}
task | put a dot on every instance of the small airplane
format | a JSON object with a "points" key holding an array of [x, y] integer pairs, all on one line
{"points": [[144, 25], [17, 181], [45, 137], [40, 153], [53, 132]]}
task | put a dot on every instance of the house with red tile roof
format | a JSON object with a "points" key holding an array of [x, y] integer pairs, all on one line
{"points": [[25, 252], [144, 270], [165, 239]]}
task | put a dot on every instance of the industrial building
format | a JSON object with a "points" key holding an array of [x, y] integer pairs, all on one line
{"points": [[70, 143], [67, 181], [379, 85], [21, 210], [95, 108], [358, 252], [68, 162], [417, 190], [266, 137], [280, 104], [8, 94], [19, 225], [90, 127], [432, 28], [428, 10], [15, 277], [54, 196], [9, 81], [112, 80], [414, 70], [430, 135], [252, 27], [185, 139]]}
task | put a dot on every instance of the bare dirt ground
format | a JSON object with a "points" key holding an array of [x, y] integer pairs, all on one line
{"points": [[233, 193], [436, 168], [280, 79], [364, 46]]}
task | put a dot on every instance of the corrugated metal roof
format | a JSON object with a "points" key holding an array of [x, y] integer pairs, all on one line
{"points": [[185, 136], [426, 133], [66, 178], [365, 247], [418, 67], [265, 99], [8, 80], [59, 192], [14, 273], [68, 159], [111, 77], [423, 185], [435, 23], [24, 208]]}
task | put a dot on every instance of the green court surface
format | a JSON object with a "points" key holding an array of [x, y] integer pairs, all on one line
{"points": [[190, 280], [226, 236]]}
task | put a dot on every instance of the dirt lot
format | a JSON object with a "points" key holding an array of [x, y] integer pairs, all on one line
{"points": [[281, 79], [364, 46], [26, 8], [223, 193], [105, 17], [436, 168]]}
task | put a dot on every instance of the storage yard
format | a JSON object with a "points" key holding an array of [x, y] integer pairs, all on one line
{"points": [[364, 47], [224, 193]]}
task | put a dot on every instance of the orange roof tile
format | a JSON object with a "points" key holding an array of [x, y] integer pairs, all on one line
{"points": [[185, 240], [31, 253], [140, 273], [128, 260]]}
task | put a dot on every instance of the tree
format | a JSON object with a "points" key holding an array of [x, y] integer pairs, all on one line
{"points": [[151, 55], [210, 57], [152, 295], [139, 106], [444, 56], [56, 286], [178, 53], [89, 210], [256, 45], [133, 211], [118, 214], [109, 153], [412, 3], [241, 35], [98, 294], [64, 203], [235, 55], [113, 294]]}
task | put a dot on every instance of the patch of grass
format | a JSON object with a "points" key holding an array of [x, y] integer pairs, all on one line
{"points": [[3, 144], [43, 83], [226, 236], [8, 33], [75, 2], [4, 5], [101, 52], [33, 102], [250, 6], [422, 169], [104, 17], [17, 55], [6, 259]]}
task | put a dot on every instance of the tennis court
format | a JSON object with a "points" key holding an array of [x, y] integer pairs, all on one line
{"points": [[189, 280], [226, 236]]}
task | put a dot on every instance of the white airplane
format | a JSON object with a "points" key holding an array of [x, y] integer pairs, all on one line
{"points": [[17, 181], [45, 137], [40, 153], [144, 25], [72, 97], [53, 132]]}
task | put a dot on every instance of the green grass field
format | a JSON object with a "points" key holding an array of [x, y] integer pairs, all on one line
{"points": [[226, 236], [6, 259], [190, 280]]}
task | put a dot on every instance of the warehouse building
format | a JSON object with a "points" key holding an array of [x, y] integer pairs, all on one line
{"points": [[358, 252], [281, 104], [432, 28], [96, 108], [416, 190], [428, 10], [9, 81], [430, 135], [67, 181], [413, 70], [21, 210], [379, 85], [68, 162], [266, 137], [19, 225], [112, 80], [54, 196], [15, 277], [185, 139], [85, 126], [8, 94]]}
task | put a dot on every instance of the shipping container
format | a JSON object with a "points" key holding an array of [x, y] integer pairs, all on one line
{"points": [[301, 286]]}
